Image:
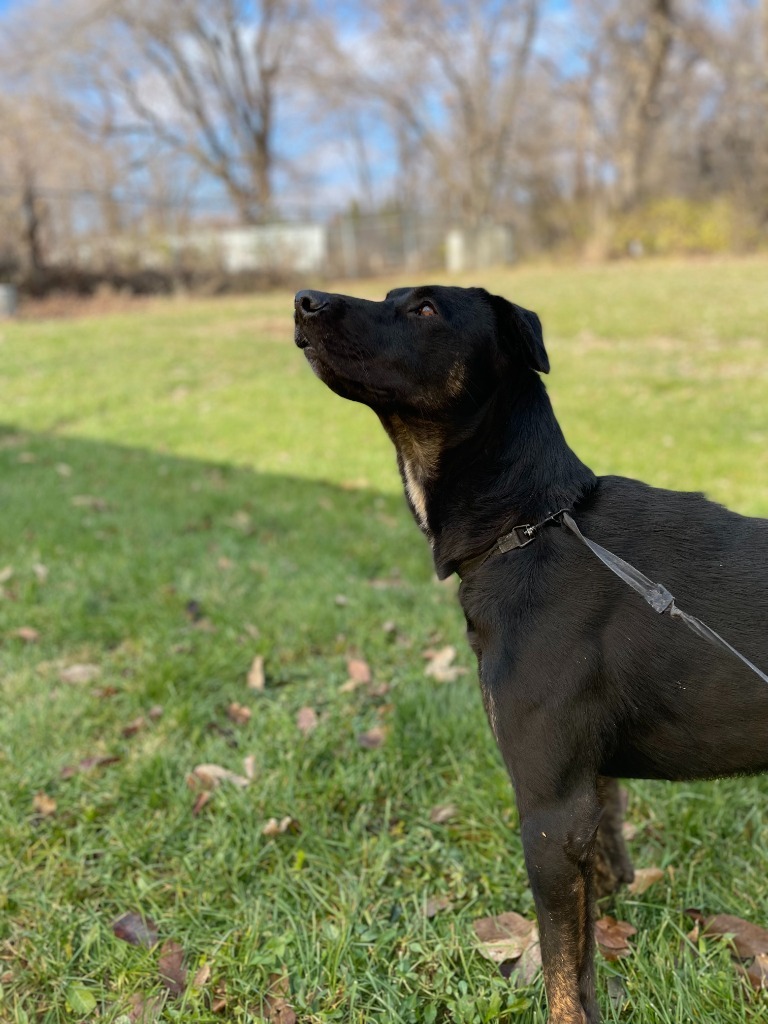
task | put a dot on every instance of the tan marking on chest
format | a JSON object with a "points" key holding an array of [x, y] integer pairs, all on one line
{"points": [[420, 452], [415, 493]]}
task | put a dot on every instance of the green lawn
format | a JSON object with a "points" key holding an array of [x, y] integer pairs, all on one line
{"points": [[187, 454]]}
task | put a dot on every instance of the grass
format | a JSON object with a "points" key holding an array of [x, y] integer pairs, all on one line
{"points": [[187, 455]]}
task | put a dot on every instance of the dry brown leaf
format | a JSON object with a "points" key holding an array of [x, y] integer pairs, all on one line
{"points": [[43, 804], [506, 936], [611, 937], [442, 813], [644, 879], [219, 1003], [202, 976], [249, 767], [757, 972], [373, 738], [747, 939], [256, 678], [629, 831], [134, 726], [82, 673], [278, 828], [440, 665], [87, 763], [306, 720], [202, 799], [26, 633], [358, 670], [104, 692], [239, 713], [170, 967], [511, 941], [145, 1009], [136, 929], [155, 713], [210, 775], [40, 571], [435, 904], [277, 1008]]}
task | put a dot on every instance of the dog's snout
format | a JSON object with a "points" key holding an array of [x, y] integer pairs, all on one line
{"points": [[310, 303]]}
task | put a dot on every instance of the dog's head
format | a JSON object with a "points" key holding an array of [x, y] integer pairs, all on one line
{"points": [[430, 351]]}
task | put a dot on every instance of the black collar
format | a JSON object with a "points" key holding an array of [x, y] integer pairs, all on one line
{"points": [[518, 537]]}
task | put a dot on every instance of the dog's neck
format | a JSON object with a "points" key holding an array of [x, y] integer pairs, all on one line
{"points": [[505, 464]]}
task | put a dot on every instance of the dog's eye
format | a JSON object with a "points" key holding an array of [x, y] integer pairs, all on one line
{"points": [[426, 309]]}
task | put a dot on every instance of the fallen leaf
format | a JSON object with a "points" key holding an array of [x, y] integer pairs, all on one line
{"points": [[155, 712], [249, 766], [170, 966], [440, 665], [40, 571], [442, 813], [219, 1003], [202, 799], [87, 763], [136, 929], [43, 804], [202, 976], [435, 904], [239, 713], [511, 941], [341, 601], [277, 1009], [145, 1009], [359, 671], [89, 501], [747, 939], [644, 879], [210, 775], [81, 673], [505, 937], [757, 972], [390, 626], [6, 573], [306, 720], [26, 633], [611, 937], [373, 738], [103, 692], [134, 726], [629, 831], [278, 828], [256, 678]]}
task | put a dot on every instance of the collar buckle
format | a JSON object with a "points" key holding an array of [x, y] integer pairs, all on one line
{"points": [[518, 537]]}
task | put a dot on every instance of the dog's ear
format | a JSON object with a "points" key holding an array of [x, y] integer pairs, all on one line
{"points": [[520, 332]]}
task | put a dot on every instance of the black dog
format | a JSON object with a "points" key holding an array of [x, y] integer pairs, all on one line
{"points": [[581, 682]]}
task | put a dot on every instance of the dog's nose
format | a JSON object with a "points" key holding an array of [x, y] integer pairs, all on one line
{"points": [[309, 303]]}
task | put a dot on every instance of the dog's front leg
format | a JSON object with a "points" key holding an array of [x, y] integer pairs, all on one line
{"points": [[558, 836], [558, 833]]}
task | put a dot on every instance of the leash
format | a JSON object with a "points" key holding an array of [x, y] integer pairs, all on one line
{"points": [[655, 594]]}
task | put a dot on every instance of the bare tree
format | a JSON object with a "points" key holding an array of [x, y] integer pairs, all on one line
{"points": [[449, 77], [199, 78]]}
